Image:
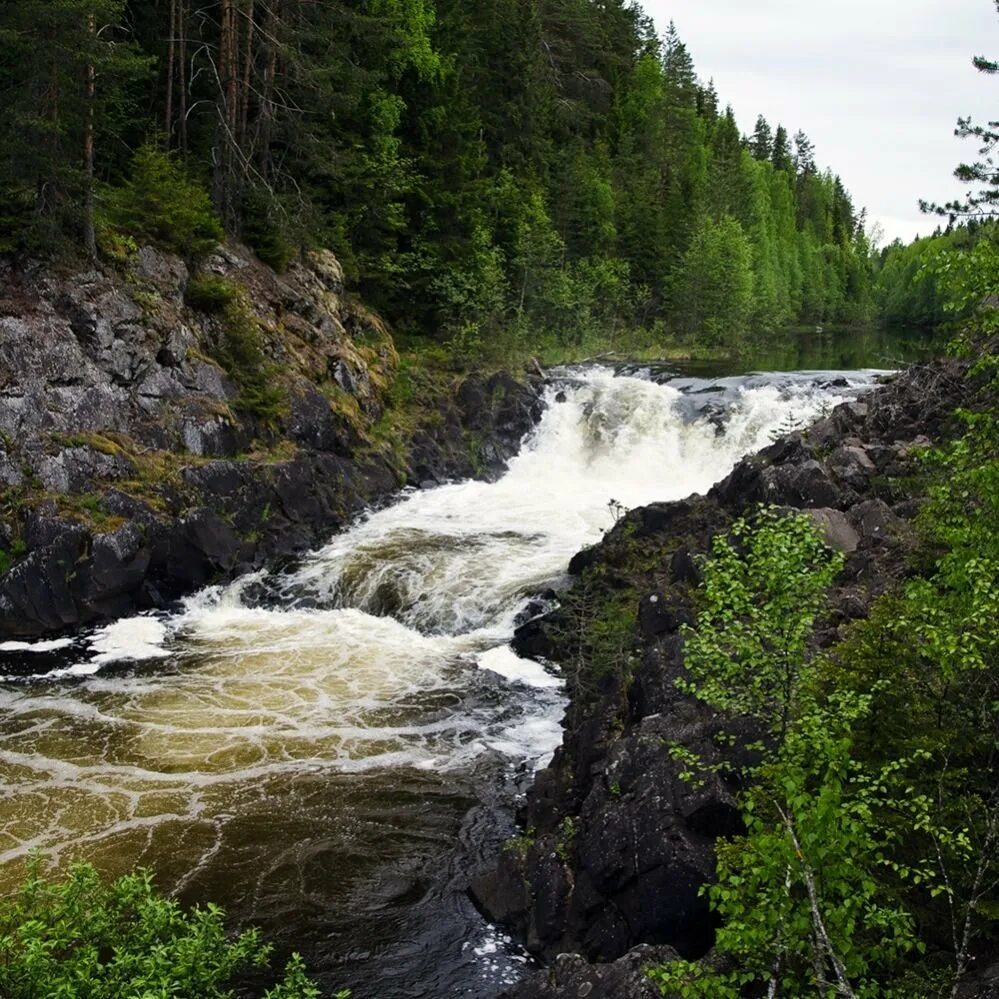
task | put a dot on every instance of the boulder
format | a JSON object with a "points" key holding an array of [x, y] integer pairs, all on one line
{"points": [[837, 531], [570, 977]]}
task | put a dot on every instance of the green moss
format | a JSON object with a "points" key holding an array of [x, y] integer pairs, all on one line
{"points": [[240, 352], [94, 441], [521, 845], [87, 509], [566, 837]]}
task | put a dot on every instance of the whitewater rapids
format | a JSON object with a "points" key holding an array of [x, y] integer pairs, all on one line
{"points": [[306, 747]]}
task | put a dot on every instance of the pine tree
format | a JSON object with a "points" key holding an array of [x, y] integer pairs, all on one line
{"points": [[762, 142], [781, 156], [66, 67]]}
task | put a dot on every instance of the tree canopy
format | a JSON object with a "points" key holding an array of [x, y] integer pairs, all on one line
{"points": [[483, 170]]}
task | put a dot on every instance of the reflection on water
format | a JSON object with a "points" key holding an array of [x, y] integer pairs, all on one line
{"points": [[330, 751]]}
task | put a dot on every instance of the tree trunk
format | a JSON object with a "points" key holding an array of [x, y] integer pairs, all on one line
{"points": [[244, 114], [89, 235], [170, 72], [225, 108], [265, 114], [182, 74]]}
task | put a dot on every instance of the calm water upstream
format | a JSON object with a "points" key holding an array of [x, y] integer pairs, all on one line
{"points": [[329, 751]]}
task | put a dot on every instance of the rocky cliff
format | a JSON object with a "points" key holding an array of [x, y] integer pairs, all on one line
{"points": [[161, 430], [616, 845]]}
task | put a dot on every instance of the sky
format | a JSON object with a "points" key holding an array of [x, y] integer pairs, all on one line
{"points": [[878, 86]]}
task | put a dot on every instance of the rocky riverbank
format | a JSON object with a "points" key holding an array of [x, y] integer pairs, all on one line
{"points": [[616, 846], [161, 430]]}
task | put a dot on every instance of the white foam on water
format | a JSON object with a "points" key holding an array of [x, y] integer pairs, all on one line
{"points": [[132, 638], [387, 650], [506, 663], [53, 645]]}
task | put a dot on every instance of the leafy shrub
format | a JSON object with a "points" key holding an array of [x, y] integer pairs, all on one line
{"points": [[757, 608], [240, 352], [209, 293], [87, 939], [162, 205]]}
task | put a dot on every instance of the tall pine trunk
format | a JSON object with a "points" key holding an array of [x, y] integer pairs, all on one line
{"points": [[182, 74], [89, 234], [170, 73]]}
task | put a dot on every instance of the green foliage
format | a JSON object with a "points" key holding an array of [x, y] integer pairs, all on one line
{"points": [[210, 293], [505, 178], [8, 558], [762, 591], [802, 895], [715, 288], [85, 938], [266, 230], [47, 48], [240, 352], [870, 862], [160, 204]]}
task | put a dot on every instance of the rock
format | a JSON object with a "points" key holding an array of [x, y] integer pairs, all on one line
{"points": [[179, 343], [166, 272], [875, 520], [582, 561], [315, 424], [10, 473], [836, 529], [81, 470], [658, 617], [570, 977], [532, 640], [623, 845], [684, 569], [159, 384], [327, 268], [117, 568], [211, 437], [852, 465], [36, 592], [810, 486]]}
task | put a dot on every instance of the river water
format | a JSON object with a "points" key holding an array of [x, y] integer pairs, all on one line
{"points": [[329, 751]]}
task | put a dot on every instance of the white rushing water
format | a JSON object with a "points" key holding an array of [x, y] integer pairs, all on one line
{"points": [[410, 597], [383, 653]]}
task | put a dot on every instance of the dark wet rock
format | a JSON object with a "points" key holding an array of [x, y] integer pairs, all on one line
{"points": [[836, 529], [570, 977], [142, 469], [617, 846], [876, 521], [983, 985], [658, 616], [533, 640], [314, 423], [852, 465]]}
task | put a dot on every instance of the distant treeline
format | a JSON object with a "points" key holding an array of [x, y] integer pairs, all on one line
{"points": [[484, 170], [909, 290]]}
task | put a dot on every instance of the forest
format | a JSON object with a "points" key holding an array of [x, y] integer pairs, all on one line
{"points": [[496, 177], [488, 173]]}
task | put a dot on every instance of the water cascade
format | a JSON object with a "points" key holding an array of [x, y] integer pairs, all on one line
{"points": [[327, 751]]}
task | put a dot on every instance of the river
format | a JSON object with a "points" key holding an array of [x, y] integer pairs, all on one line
{"points": [[328, 751]]}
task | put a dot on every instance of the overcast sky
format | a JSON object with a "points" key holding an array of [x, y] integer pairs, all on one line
{"points": [[877, 84]]}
